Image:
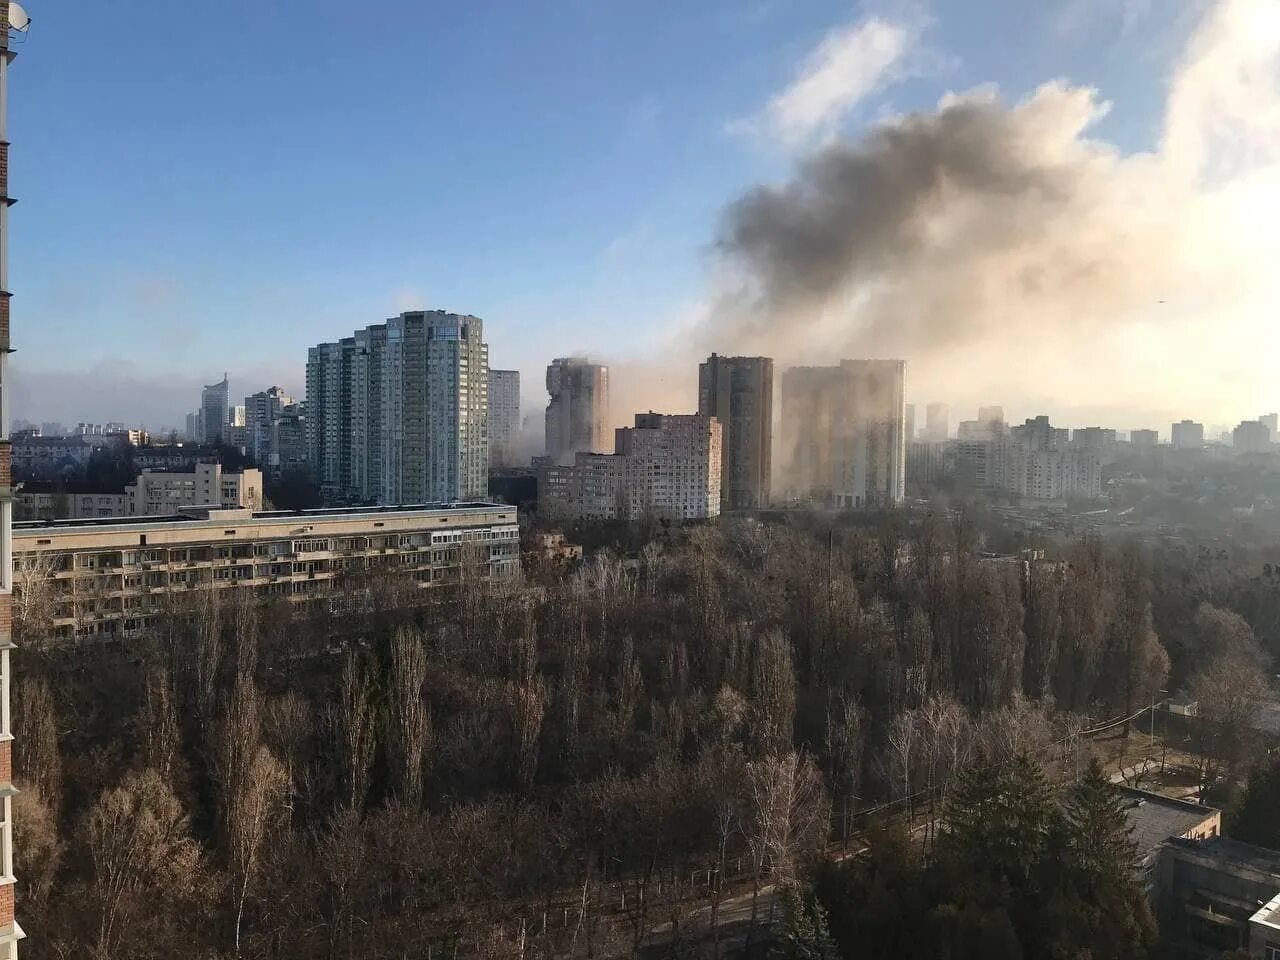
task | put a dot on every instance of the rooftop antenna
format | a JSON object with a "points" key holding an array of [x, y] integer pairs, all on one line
{"points": [[18, 19]]}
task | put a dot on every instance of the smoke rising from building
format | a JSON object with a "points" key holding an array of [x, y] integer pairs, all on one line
{"points": [[1005, 235]]}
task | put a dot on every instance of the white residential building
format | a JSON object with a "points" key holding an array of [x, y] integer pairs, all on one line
{"points": [[398, 412]]}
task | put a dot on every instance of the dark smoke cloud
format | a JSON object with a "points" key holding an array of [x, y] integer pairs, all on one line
{"points": [[948, 226]]}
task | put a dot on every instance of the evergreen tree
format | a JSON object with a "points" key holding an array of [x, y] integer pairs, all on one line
{"points": [[1256, 819], [804, 927], [1105, 912]]}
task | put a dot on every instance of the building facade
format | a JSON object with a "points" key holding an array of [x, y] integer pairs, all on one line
{"points": [[937, 422], [164, 493], [262, 414], [1144, 438], [667, 467], [844, 428], [10, 930], [1187, 435], [738, 391], [1251, 436], [214, 411], [673, 466], [577, 417], [107, 578], [398, 413], [504, 417]]}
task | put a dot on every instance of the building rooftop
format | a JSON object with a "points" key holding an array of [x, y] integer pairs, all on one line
{"points": [[1269, 914], [202, 513], [1155, 818]]}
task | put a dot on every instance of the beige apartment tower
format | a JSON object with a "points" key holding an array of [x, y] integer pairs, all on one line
{"points": [[738, 391]]}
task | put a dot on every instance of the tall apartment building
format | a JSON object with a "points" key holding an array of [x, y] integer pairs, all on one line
{"points": [[213, 411], [1187, 435], [11, 17], [982, 450], [910, 431], [577, 418], [937, 422], [844, 430], [504, 417], [738, 391], [262, 414], [1271, 421], [289, 440], [667, 467], [107, 578], [398, 412]]}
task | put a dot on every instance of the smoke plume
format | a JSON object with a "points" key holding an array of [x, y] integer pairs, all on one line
{"points": [[982, 238]]}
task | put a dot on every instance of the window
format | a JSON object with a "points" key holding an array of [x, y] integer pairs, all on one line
{"points": [[1271, 951]]}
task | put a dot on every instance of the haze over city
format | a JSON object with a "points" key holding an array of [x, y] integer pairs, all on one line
{"points": [[1076, 225]]}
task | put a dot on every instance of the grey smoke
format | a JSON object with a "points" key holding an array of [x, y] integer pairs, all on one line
{"points": [[947, 226]]}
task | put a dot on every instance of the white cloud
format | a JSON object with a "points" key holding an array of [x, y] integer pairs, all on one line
{"points": [[852, 62]]}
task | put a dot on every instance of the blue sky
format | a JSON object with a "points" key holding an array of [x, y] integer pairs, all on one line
{"points": [[200, 193]]}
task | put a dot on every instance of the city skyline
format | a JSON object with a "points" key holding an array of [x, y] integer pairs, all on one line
{"points": [[646, 279]]}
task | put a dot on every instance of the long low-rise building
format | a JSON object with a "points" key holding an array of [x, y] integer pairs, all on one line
{"points": [[107, 577]]}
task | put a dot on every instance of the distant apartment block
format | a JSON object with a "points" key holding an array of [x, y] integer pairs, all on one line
{"points": [[162, 493], [1271, 421], [1042, 467], [937, 422], [843, 428], [46, 458], [504, 417], [926, 462], [667, 467], [577, 417], [1187, 435], [43, 500], [910, 431], [263, 412], [398, 413], [1251, 436], [108, 578], [155, 493], [1097, 438], [738, 391], [1144, 439]]}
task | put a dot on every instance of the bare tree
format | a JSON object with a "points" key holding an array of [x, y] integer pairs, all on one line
{"points": [[256, 800], [352, 722], [35, 753], [409, 718], [1228, 689], [137, 839], [158, 734], [35, 596], [789, 815]]}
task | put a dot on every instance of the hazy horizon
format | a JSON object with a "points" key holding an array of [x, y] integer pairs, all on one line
{"points": [[1081, 233]]}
